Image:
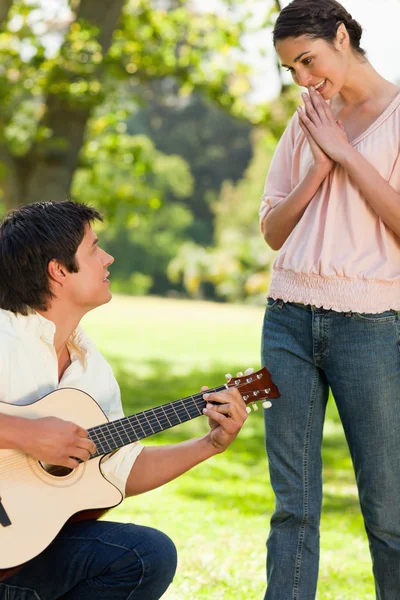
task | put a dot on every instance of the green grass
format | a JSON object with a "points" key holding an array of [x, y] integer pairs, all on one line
{"points": [[218, 513]]}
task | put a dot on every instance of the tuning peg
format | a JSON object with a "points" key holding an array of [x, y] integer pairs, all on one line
{"points": [[249, 371], [254, 405], [240, 374], [267, 404], [248, 410], [228, 377]]}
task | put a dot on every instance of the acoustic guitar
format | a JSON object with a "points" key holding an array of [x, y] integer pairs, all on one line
{"points": [[37, 499]]}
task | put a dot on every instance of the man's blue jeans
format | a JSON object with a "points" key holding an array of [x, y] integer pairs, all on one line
{"points": [[309, 350], [97, 560]]}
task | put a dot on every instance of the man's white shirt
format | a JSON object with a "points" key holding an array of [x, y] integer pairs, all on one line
{"points": [[29, 371]]}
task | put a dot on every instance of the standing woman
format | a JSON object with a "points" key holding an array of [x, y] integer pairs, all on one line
{"points": [[331, 206]]}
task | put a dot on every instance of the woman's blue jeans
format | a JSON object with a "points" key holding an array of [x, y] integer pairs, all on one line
{"points": [[97, 560], [309, 350]]}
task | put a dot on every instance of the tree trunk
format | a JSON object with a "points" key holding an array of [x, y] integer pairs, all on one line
{"points": [[5, 6], [45, 174], [49, 168]]}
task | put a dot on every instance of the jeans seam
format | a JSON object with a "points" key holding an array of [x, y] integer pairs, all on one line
{"points": [[375, 320], [93, 538], [303, 524], [98, 538], [141, 579], [398, 334]]}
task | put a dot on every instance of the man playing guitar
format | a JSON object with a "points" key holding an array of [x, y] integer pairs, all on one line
{"points": [[52, 272]]}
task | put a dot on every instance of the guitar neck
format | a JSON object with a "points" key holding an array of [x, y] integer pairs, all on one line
{"points": [[116, 434]]}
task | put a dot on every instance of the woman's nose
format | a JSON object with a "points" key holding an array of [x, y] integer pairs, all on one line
{"points": [[304, 79]]}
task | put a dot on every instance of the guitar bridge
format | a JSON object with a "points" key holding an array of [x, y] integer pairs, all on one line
{"points": [[4, 518]]}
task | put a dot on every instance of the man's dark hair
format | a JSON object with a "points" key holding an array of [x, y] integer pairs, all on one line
{"points": [[32, 236], [317, 19]]}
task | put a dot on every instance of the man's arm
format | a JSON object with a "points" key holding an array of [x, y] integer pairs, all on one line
{"points": [[157, 465], [50, 440]]}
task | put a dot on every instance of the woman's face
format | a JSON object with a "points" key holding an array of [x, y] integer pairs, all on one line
{"points": [[314, 62]]}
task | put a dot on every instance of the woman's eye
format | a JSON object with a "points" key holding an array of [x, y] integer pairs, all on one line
{"points": [[307, 61]]}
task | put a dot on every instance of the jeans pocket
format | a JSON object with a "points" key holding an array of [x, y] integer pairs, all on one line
{"points": [[12, 592], [385, 317]]}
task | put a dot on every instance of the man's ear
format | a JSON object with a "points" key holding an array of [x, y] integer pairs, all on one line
{"points": [[57, 271]]}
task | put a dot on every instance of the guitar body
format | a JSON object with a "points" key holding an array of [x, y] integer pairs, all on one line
{"points": [[37, 502]]}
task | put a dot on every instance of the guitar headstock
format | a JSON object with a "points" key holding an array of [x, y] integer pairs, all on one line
{"points": [[256, 386]]}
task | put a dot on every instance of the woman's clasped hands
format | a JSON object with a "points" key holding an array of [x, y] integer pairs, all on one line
{"points": [[326, 136]]}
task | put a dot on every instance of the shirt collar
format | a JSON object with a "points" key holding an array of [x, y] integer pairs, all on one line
{"points": [[37, 325]]}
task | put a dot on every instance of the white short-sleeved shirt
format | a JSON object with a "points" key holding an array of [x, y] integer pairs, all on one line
{"points": [[29, 371]]}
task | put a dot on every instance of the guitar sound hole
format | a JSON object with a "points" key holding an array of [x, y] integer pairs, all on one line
{"points": [[56, 470]]}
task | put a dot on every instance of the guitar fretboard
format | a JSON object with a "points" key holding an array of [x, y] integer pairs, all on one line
{"points": [[116, 434]]}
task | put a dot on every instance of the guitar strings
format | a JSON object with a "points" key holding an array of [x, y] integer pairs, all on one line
{"points": [[169, 414], [112, 435]]}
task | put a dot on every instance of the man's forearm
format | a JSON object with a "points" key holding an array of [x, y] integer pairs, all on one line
{"points": [[157, 465], [11, 432]]}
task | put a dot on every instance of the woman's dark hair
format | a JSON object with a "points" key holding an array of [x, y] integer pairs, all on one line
{"points": [[317, 19], [32, 236]]}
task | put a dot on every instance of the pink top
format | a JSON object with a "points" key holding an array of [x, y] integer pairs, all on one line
{"points": [[340, 255]]}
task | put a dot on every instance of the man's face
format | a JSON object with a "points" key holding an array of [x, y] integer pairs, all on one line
{"points": [[89, 287]]}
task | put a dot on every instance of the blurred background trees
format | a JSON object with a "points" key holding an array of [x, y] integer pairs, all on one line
{"points": [[143, 108]]}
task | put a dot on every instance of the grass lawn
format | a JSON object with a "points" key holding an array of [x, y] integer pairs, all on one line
{"points": [[218, 513]]}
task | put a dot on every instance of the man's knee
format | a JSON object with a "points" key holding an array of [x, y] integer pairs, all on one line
{"points": [[156, 553], [162, 559]]}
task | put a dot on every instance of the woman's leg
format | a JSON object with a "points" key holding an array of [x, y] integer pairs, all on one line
{"points": [[98, 560], [363, 370], [292, 349]]}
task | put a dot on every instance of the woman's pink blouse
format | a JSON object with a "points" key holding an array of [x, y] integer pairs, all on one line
{"points": [[340, 255]]}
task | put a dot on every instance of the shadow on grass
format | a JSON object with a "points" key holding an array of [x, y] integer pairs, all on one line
{"points": [[237, 471], [339, 504]]}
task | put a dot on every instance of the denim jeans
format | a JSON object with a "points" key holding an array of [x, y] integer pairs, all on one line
{"points": [[309, 350], [97, 560]]}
